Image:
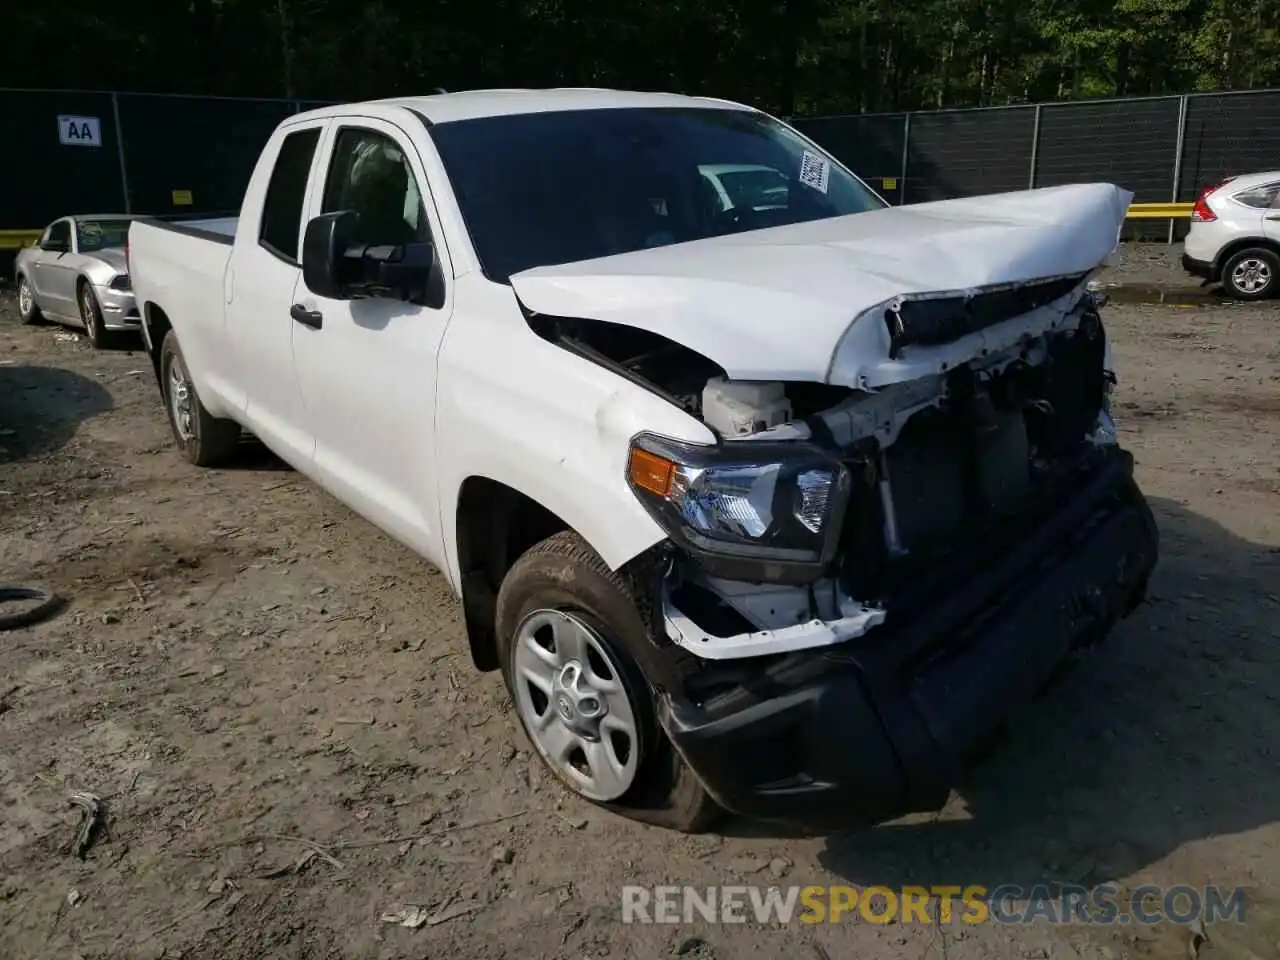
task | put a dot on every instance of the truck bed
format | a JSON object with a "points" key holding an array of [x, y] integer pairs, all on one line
{"points": [[179, 270]]}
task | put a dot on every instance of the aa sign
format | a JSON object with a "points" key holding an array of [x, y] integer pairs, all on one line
{"points": [[79, 131]]}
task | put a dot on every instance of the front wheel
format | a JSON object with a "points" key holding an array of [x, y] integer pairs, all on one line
{"points": [[28, 312], [1252, 274], [566, 625], [91, 316], [204, 439]]}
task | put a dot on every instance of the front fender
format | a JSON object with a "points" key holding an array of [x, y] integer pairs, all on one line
{"points": [[553, 426]]}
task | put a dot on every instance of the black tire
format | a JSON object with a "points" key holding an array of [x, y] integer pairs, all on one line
{"points": [[91, 315], [45, 603], [32, 315], [1265, 260], [211, 440], [564, 573]]}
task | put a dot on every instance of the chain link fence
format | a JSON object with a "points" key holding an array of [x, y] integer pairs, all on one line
{"points": [[1164, 149], [160, 155]]}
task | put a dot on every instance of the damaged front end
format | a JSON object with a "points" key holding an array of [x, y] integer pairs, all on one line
{"points": [[871, 581], [822, 507], [914, 506], [863, 576]]}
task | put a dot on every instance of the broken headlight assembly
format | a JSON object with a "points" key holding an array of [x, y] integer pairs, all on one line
{"points": [[744, 510]]}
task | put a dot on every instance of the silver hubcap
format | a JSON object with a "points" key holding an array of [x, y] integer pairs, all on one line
{"points": [[1251, 275], [24, 297], [572, 702], [180, 400]]}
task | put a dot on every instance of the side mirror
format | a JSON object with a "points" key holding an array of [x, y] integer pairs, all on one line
{"points": [[55, 246], [335, 268], [324, 247]]}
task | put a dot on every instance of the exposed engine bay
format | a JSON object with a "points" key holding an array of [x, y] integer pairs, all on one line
{"points": [[969, 455]]}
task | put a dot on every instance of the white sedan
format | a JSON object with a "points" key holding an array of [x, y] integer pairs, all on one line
{"points": [[1235, 236], [76, 273]]}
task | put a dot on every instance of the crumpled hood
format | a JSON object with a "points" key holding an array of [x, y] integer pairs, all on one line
{"points": [[777, 304]]}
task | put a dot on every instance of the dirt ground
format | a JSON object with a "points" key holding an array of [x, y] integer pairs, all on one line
{"points": [[245, 666]]}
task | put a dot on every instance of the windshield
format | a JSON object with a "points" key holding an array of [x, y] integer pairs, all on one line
{"points": [[94, 235], [559, 187]]}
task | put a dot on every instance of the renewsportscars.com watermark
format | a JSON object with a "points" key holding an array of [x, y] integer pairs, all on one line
{"points": [[1008, 904]]}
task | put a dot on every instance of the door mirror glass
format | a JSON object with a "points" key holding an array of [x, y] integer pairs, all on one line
{"points": [[335, 267]]}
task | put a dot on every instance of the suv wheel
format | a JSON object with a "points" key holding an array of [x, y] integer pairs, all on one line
{"points": [[1251, 274]]}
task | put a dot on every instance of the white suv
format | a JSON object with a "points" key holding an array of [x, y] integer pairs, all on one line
{"points": [[1235, 236]]}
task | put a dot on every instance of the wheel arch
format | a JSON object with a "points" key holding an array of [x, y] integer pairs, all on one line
{"points": [[1235, 246], [495, 524], [155, 326]]}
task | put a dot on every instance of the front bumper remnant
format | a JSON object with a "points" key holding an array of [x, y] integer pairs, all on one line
{"points": [[885, 724], [119, 309], [814, 633]]}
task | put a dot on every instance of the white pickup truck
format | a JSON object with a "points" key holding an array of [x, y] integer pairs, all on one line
{"points": [[776, 507]]}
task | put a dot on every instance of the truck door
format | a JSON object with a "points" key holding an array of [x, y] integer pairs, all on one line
{"points": [[264, 272], [368, 367]]}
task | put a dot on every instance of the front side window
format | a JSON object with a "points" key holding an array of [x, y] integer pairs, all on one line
{"points": [[94, 235], [564, 186], [287, 194], [370, 175], [60, 233]]}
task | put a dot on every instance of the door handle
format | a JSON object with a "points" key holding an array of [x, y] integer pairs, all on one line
{"points": [[308, 318], [1274, 216]]}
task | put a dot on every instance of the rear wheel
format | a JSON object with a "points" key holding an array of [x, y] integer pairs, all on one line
{"points": [[28, 312], [1252, 274], [205, 440], [566, 625]]}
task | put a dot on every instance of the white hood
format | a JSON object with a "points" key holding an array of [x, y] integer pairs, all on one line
{"points": [[776, 304]]}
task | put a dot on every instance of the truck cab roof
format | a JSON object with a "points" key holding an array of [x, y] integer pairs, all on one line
{"points": [[473, 104]]}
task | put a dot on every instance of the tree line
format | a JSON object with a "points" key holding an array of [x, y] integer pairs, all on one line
{"points": [[792, 57]]}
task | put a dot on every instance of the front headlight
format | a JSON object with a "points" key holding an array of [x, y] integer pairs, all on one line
{"points": [[744, 509], [120, 282]]}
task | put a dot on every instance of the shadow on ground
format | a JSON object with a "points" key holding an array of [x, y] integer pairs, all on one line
{"points": [[253, 455], [1161, 737], [42, 407], [116, 341]]}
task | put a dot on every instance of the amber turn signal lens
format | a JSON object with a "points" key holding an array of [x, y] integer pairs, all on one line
{"points": [[648, 471]]}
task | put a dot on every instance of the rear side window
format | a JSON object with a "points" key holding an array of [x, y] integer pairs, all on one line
{"points": [[286, 193], [1260, 197]]}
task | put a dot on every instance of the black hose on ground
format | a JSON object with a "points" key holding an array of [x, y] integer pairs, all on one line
{"points": [[47, 603]]}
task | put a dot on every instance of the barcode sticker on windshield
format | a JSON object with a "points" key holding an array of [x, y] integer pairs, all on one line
{"points": [[815, 171]]}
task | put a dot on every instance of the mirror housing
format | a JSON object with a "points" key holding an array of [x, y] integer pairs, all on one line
{"points": [[324, 246], [56, 246], [336, 268]]}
